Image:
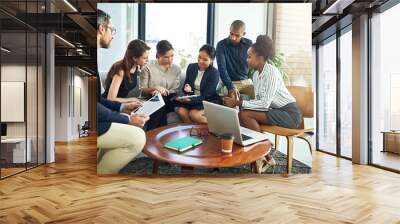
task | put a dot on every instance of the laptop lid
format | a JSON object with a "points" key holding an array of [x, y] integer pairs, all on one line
{"points": [[3, 129], [222, 119]]}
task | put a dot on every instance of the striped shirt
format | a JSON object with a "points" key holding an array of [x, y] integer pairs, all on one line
{"points": [[270, 90]]}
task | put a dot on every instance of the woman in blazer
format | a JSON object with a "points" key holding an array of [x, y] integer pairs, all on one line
{"points": [[201, 81]]}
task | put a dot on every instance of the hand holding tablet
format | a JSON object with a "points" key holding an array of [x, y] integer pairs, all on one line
{"points": [[150, 106]]}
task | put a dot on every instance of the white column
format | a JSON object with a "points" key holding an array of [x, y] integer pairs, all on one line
{"points": [[360, 90], [50, 101]]}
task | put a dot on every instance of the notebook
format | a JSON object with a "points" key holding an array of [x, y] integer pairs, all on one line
{"points": [[182, 144], [255, 108]]}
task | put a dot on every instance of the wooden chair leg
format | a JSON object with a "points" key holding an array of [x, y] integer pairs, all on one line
{"points": [[289, 154], [308, 139], [277, 141]]}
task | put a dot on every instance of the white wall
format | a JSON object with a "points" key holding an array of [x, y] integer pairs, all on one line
{"points": [[71, 102], [34, 124]]}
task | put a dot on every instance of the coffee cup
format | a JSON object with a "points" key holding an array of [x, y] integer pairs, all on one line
{"points": [[227, 142]]}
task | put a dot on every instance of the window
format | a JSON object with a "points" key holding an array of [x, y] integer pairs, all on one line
{"points": [[327, 96], [253, 15], [124, 19], [346, 94], [385, 84], [22, 75], [183, 25]]}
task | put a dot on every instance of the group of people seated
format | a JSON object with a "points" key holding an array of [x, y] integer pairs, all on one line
{"points": [[120, 134]]}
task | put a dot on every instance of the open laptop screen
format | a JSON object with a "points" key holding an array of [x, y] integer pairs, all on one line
{"points": [[3, 129]]}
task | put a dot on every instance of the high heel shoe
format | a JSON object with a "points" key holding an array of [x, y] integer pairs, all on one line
{"points": [[263, 164]]}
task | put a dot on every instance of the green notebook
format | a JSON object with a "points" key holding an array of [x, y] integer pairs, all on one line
{"points": [[182, 144]]}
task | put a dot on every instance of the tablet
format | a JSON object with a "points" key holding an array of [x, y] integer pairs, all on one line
{"points": [[188, 96], [150, 106]]}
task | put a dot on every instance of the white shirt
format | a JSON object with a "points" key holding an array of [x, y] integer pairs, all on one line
{"points": [[270, 90], [197, 82], [153, 74]]}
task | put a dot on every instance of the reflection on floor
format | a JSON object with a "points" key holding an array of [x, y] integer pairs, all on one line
{"points": [[10, 171], [386, 159]]}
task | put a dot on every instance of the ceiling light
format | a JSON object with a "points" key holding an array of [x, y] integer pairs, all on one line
{"points": [[65, 41], [338, 6], [84, 71], [5, 50], [70, 5]]}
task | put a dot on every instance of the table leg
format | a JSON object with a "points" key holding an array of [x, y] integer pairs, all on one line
{"points": [[156, 163], [253, 166], [186, 169]]}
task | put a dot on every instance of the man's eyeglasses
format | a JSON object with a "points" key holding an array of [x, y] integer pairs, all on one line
{"points": [[113, 30]]}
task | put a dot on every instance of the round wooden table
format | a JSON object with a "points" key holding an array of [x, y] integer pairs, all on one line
{"points": [[206, 155]]}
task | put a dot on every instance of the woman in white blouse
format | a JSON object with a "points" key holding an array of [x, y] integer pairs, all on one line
{"points": [[161, 76], [273, 104]]}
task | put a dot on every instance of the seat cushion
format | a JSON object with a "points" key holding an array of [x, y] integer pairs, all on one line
{"points": [[281, 131]]}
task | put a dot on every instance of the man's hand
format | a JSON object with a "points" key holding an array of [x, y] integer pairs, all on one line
{"points": [[231, 102], [138, 120], [234, 93], [129, 107]]}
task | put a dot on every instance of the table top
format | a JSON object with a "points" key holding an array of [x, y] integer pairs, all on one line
{"points": [[13, 140], [208, 154], [391, 132]]}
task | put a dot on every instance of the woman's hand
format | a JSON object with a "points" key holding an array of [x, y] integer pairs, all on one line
{"points": [[231, 102], [187, 88], [234, 93], [163, 91]]}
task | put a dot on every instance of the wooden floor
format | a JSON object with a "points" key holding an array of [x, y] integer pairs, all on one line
{"points": [[69, 191], [386, 159]]}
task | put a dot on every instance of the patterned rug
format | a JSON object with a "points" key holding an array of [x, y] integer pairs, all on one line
{"points": [[144, 165]]}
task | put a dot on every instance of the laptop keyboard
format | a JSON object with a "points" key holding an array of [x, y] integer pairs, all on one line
{"points": [[245, 137]]}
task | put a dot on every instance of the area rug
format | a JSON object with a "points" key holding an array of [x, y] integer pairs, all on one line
{"points": [[144, 165]]}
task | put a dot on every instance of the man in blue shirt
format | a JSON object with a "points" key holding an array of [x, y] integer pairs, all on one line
{"points": [[231, 60]]}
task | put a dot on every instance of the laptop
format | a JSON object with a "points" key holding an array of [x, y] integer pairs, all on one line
{"points": [[3, 131], [223, 119]]}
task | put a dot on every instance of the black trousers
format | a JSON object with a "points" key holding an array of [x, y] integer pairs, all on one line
{"points": [[159, 118]]}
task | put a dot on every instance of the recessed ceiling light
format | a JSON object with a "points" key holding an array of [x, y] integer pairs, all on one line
{"points": [[84, 71], [5, 50], [65, 41], [70, 5]]}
